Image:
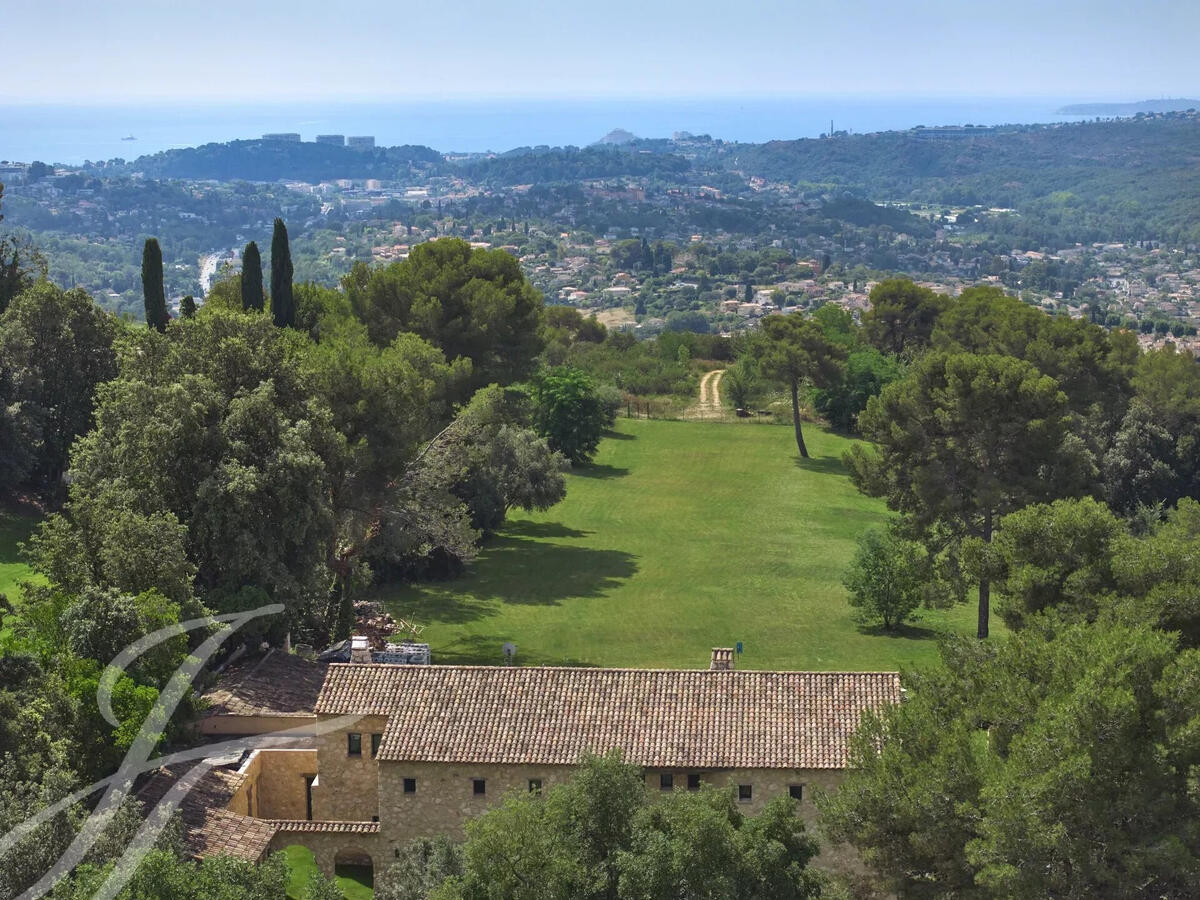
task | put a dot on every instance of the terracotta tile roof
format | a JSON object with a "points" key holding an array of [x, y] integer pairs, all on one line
{"points": [[301, 825], [209, 827], [278, 684], [659, 718]]}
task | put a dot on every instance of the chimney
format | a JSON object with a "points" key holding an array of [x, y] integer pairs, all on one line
{"points": [[722, 659], [360, 650]]}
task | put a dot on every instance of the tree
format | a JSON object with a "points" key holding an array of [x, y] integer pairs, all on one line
{"points": [[965, 439], [187, 307], [56, 347], [283, 304], [21, 265], [1052, 764], [1091, 365], [1055, 555], [601, 837], [212, 424], [740, 383], [902, 316], [1154, 458], [152, 286], [885, 577], [568, 412], [493, 461], [795, 351], [252, 278], [867, 372], [698, 845], [473, 304], [421, 866]]}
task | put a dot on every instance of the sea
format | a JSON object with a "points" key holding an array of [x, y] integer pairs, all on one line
{"points": [[73, 134]]}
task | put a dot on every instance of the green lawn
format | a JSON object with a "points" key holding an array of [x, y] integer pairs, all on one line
{"points": [[354, 883], [682, 536], [15, 526]]}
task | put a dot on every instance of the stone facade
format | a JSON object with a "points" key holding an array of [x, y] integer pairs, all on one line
{"points": [[433, 747], [275, 784], [443, 796], [347, 788]]}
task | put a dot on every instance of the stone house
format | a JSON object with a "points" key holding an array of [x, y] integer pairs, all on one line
{"points": [[399, 752], [382, 753]]}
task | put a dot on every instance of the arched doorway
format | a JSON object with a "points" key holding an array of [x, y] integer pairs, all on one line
{"points": [[354, 871]]}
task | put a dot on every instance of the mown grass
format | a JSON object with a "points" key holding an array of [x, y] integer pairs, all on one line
{"points": [[16, 524], [680, 537], [354, 882]]}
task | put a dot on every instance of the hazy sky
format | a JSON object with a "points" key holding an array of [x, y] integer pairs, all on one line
{"points": [[115, 50]]}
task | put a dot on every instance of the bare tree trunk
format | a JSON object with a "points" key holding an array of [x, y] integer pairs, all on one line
{"points": [[985, 586], [796, 419]]}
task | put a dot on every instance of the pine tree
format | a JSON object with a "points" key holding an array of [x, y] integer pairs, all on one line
{"points": [[187, 307], [252, 282], [282, 303], [152, 286]]}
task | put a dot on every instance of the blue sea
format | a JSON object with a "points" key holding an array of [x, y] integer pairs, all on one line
{"points": [[73, 134]]}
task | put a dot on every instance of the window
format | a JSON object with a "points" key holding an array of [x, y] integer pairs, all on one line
{"points": [[535, 785], [374, 818], [745, 793], [693, 781], [796, 792], [478, 787], [666, 781], [410, 785], [308, 786], [376, 740], [354, 744]]}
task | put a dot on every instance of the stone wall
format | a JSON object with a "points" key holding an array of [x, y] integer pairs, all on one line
{"points": [[445, 796], [347, 788], [275, 784]]}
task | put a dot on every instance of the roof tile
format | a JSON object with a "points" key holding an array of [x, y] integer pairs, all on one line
{"points": [[659, 718]]}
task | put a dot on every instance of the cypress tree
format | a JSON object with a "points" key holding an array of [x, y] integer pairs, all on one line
{"points": [[187, 307], [152, 286], [252, 283], [282, 304]]}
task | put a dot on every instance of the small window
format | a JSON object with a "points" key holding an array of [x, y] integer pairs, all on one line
{"points": [[374, 818], [693, 781], [410, 785], [666, 781], [478, 787], [376, 740], [796, 792], [535, 785], [745, 793], [354, 744]]}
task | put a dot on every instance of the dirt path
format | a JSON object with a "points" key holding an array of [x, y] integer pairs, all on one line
{"points": [[709, 405]]}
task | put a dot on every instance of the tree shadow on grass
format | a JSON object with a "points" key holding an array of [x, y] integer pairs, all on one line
{"points": [[599, 471], [537, 573], [519, 572], [488, 650], [618, 436], [905, 631], [526, 529], [824, 465]]}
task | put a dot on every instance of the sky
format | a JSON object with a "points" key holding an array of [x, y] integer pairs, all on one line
{"points": [[117, 51]]}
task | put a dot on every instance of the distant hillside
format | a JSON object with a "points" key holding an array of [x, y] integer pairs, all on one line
{"points": [[1130, 179], [276, 160], [545, 164], [618, 136], [1128, 109]]}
